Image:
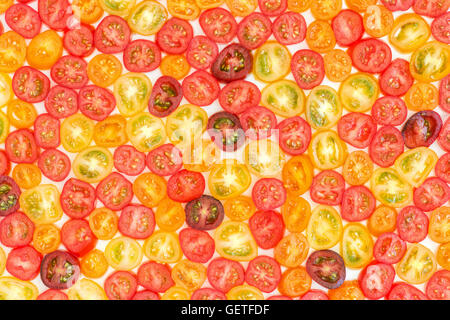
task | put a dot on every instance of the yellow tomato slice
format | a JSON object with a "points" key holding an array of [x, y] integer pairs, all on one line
{"points": [[430, 62], [245, 292], [390, 188], [284, 98], [150, 189], [417, 265], [409, 32], [15, 289], [86, 289], [358, 92], [189, 275], [163, 247], [323, 108], [356, 246], [272, 62], [120, 8], [234, 241], [324, 229], [145, 131], [132, 92], [13, 50], [41, 204], [123, 253], [76, 132], [327, 150], [6, 93], [416, 164], [147, 18], [228, 180], [264, 158], [93, 164], [186, 124]]}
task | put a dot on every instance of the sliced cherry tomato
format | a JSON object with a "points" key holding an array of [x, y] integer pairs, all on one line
{"points": [[258, 122], [185, 186], [155, 276], [347, 27], [397, 5], [438, 286], [297, 175], [412, 224], [320, 36], [60, 270], [112, 35], [268, 194], [24, 263], [238, 96], [440, 28], [77, 198], [197, 245], [358, 203], [389, 248], [315, 295], [121, 285], [79, 41], [430, 8], [432, 194], [422, 129], [386, 145], [16, 230], [128, 160], [136, 221], [327, 268], [165, 160], [200, 88], [338, 65], [357, 129], [114, 191], [327, 188], [289, 28], [444, 136], [254, 30], [396, 79], [77, 237], [208, 294], [404, 291], [218, 24], [204, 213], [225, 131], [234, 62], [294, 135], [150, 189], [55, 14], [371, 55], [146, 295], [422, 96], [389, 111], [175, 36], [267, 228], [263, 273], [27, 175], [20, 146], [417, 265], [46, 131], [95, 102], [165, 97], [61, 102], [295, 282], [30, 85], [54, 164], [24, 20], [141, 56], [376, 280], [52, 294], [201, 52], [308, 68], [70, 72]]}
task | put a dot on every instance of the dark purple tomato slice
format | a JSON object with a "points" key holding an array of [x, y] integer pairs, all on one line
{"points": [[9, 196], [226, 131], [60, 270], [204, 213], [165, 97], [234, 62], [327, 268], [422, 129]]}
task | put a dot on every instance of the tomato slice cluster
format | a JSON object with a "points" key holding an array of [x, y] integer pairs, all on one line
{"points": [[250, 156]]}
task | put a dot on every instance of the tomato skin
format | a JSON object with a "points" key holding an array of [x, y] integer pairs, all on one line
{"points": [[16, 230], [381, 274], [438, 286], [115, 191], [432, 194], [185, 186], [77, 237], [22, 138], [327, 188], [24, 263], [224, 274], [112, 35], [267, 228], [137, 221], [405, 291], [366, 55], [358, 203], [389, 248], [46, 131], [347, 27], [389, 111], [396, 79], [307, 60], [357, 129], [121, 285], [197, 245], [155, 276], [264, 273], [412, 224]]}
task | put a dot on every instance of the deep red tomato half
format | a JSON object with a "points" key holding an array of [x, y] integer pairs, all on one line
{"points": [[357, 129], [376, 280], [204, 213], [327, 188], [24, 20], [422, 129], [141, 56], [432, 194], [128, 160], [54, 164], [112, 35], [154, 276], [387, 144], [115, 191], [24, 263], [175, 36], [389, 248], [396, 79], [267, 228], [197, 245], [289, 28], [264, 273], [268, 194], [79, 41], [21, 147], [412, 224], [16, 230], [371, 55], [185, 186], [61, 102], [347, 27], [234, 62], [137, 221], [30, 85], [165, 160], [224, 274], [46, 131], [9, 196], [307, 67], [358, 203], [77, 237], [77, 198], [60, 270], [226, 131], [165, 97], [121, 285], [327, 268], [389, 111], [238, 96]]}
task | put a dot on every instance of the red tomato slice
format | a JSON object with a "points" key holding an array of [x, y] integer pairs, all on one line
{"points": [[348, 27], [389, 111], [121, 285], [238, 96], [272, 8], [54, 164], [24, 20], [267, 228], [358, 203], [197, 245], [201, 52], [389, 248], [371, 55], [52, 294], [154, 276], [16, 230], [175, 36], [218, 25], [412, 224], [438, 287], [165, 160], [431, 8], [141, 56], [128, 160], [55, 13], [146, 295], [289, 28], [77, 198], [254, 30], [432, 194], [200, 88], [268, 194], [46, 131], [307, 68], [396, 78], [444, 136], [397, 5], [294, 135], [224, 274], [315, 295], [376, 280], [115, 191], [357, 129], [387, 144], [258, 122], [5, 164], [77, 237], [208, 294], [61, 102], [440, 28], [444, 94], [185, 186], [327, 188], [137, 221], [95, 102], [24, 263], [112, 35], [30, 85], [264, 273], [404, 291], [70, 72], [21, 147], [442, 168], [79, 41]]}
